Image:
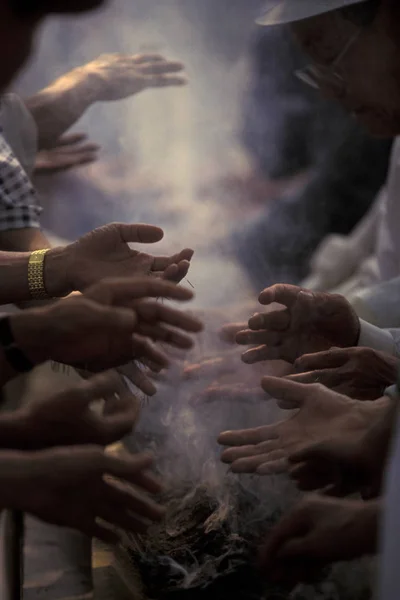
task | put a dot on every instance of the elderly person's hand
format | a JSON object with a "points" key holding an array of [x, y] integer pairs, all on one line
{"points": [[118, 76], [321, 414], [319, 531], [67, 419], [310, 322], [83, 488], [69, 152], [361, 373], [105, 253]]}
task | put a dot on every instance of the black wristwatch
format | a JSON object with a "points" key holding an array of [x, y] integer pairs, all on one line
{"points": [[14, 356]]}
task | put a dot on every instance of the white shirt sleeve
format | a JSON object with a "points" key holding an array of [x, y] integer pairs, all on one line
{"points": [[384, 340]]}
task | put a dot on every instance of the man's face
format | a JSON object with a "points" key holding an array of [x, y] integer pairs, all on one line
{"points": [[18, 25], [370, 69]]}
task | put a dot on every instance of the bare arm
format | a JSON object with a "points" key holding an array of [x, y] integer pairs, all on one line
{"points": [[56, 108], [111, 77]]}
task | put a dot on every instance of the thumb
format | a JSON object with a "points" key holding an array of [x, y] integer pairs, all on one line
{"points": [[142, 234], [296, 548], [287, 392], [90, 390]]}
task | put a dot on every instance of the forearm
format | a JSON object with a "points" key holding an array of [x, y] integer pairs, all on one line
{"points": [[24, 240], [57, 108], [14, 271]]}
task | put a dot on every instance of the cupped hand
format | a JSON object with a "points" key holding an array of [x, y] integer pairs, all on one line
{"points": [[319, 531], [66, 418], [71, 151], [310, 322], [118, 76], [105, 253], [85, 489], [321, 414], [361, 373]]}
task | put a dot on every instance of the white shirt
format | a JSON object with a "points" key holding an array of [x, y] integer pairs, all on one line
{"points": [[389, 582]]}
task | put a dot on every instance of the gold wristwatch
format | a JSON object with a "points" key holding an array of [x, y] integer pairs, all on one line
{"points": [[37, 288]]}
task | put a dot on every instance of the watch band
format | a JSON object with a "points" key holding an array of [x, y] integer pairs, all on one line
{"points": [[14, 356], [17, 359], [36, 274], [6, 334]]}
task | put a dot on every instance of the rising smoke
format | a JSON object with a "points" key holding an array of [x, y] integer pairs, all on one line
{"points": [[164, 155]]}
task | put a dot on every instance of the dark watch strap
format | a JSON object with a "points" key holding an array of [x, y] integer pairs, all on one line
{"points": [[17, 359], [6, 334], [14, 356]]}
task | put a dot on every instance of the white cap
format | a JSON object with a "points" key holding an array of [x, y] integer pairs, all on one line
{"points": [[278, 12]]}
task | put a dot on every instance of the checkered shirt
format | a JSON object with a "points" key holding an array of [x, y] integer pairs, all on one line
{"points": [[19, 206]]}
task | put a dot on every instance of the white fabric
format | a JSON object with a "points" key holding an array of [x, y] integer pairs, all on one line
{"points": [[377, 338], [389, 583], [388, 240], [277, 12]]}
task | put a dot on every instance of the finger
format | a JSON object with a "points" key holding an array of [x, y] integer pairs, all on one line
{"points": [[71, 138], [164, 334], [117, 426], [117, 516], [125, 291], [149, 354], [139, 378], [208, 368], [160, 81], [276, 466], [101, 532], [127, 500], [321, 360], [143, 58], [277, 320], [262, 353], [246, 437], [281, 294], [327, 377], [77, 150], [161, 67], [81, 396], [229, 332], [139, 233], [162, 262], [155, 311], [292, 393], [292, 526], [126, 466]]}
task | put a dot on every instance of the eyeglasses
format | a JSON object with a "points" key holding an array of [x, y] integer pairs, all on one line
{"points": [[313, 75]]}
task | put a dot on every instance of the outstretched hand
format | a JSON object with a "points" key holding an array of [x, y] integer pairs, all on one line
{"points": [[83, 488], [69, 152], [310, 322], [118, 76], [105, 253], [317, 532], [361, 373], [321, 414]]}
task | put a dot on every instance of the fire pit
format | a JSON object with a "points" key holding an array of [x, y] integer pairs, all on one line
{"points": [[207, 545]]}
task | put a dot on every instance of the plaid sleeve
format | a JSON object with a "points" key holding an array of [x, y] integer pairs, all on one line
{"points": [[19, 206]]}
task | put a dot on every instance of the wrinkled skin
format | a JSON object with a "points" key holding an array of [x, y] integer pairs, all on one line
{"points": [[310, 322], [321, 414], [361, 373]]}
